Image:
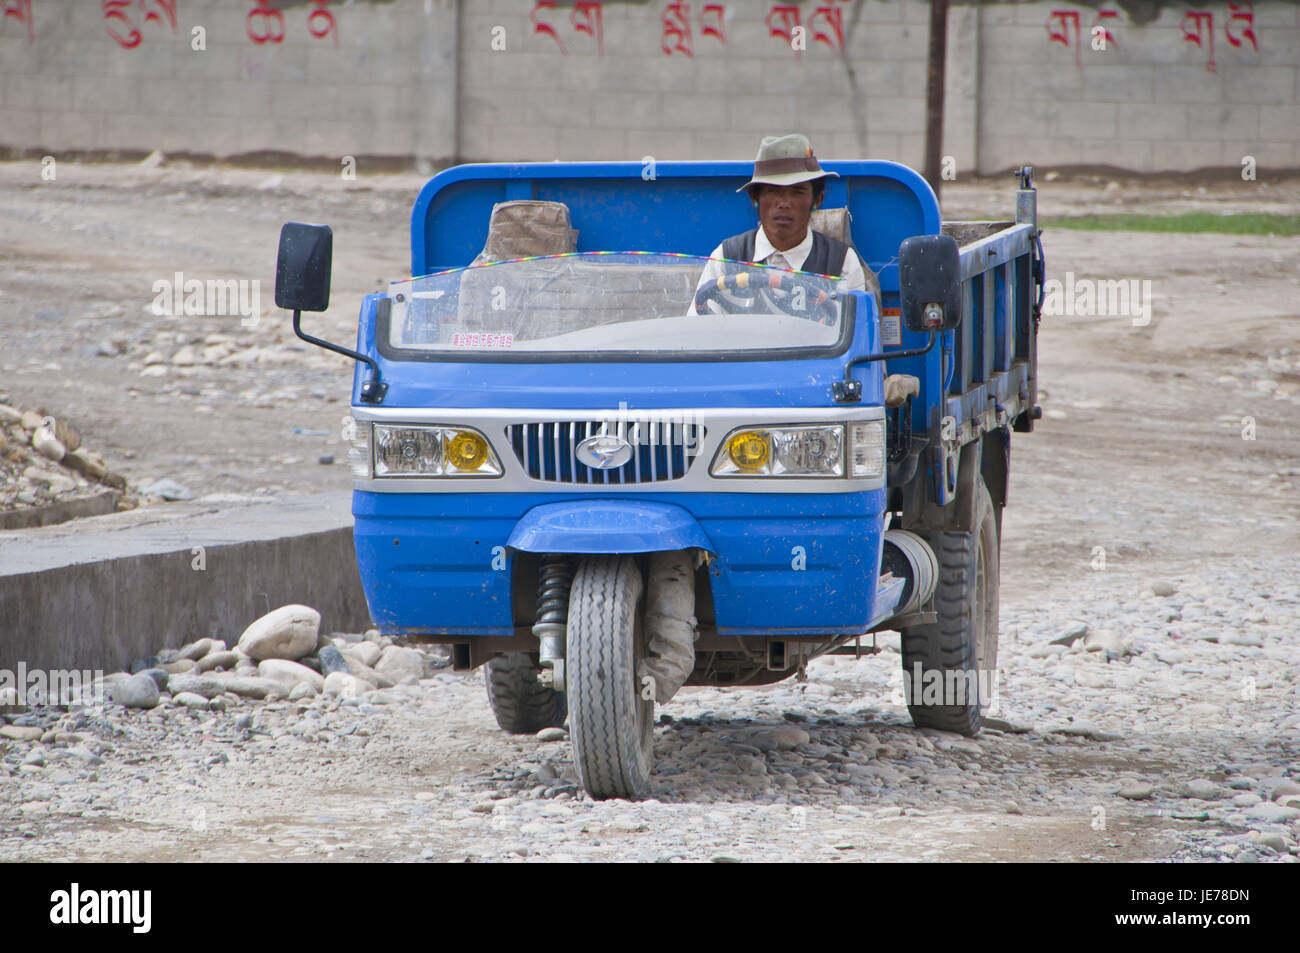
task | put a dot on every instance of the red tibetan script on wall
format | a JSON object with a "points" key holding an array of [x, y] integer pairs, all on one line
{"points": [[21, 10], [584, 18], [675, 27], [121, 17], [265, 22]]}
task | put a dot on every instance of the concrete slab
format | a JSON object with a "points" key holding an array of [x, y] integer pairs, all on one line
{"points": [[100, 592]]}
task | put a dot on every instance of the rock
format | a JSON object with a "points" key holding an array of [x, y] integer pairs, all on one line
{"points": [[204, 685], [86, 463], [153, 160], [332, 660], [31, 420], [20, 732], [214, 660], [367, 653], [1137, 792], [344, 686], [191, 700], [185, 357], [9, 415], [168, 490], [1011, 726], [195, 650], [552, 734], [1284, 788], [1013, 808], [179, 667], [289, 673], [1072, 634], [35, 757], [159, 676], [47, 445], [1108, 641], [1163, 588], [302, 691], [289, 632], [1246, 857], [56, 482], [136, 691], [1275, 841], [1272, 813], [774, 738], [1202, 789], [401, 664], [366, 674]]}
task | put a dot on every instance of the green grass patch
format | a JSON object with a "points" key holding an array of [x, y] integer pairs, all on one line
{"points": [[1250, 223]]}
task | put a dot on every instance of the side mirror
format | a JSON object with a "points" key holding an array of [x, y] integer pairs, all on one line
{"points": [[302, 268], [929, 283]]}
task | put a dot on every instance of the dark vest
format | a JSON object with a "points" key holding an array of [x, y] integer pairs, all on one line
{"points": [[827, 256]]}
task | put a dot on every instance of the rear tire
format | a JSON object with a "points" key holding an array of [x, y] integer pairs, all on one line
{"points": [[610, 723], [522, 705], [965, 637]]}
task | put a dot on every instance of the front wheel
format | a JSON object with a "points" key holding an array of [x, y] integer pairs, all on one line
{"points": [[611, 720], [949, 666]]}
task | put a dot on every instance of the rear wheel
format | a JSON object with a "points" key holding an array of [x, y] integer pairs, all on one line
{"points": [[949, 665], [522, 705], [610, 723]]}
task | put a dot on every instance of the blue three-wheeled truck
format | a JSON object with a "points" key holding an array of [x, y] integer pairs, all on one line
{"points": [[578, 463]]}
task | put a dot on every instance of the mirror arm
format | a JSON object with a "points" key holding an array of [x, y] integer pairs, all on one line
{"points": [[372, 390], [849, 390]]}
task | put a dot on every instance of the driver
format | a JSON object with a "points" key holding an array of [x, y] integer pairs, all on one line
{"points": [[786, 186]]}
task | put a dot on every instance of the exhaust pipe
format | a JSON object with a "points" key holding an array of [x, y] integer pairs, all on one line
{"points": [[910, 557]]}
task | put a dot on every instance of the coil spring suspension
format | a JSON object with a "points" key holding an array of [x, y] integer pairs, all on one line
{"points": [[554, 579]]}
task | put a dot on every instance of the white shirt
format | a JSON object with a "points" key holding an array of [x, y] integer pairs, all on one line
{"points": [[766, 254]]}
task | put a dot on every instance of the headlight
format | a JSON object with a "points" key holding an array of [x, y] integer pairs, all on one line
{"points": [[418, 451], [868, 449], [816, 451]]}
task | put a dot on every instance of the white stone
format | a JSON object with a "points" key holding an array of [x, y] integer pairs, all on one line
{"points": [[289, 673], [401, 664], [344, 686], [48, 445], [289, 632]]}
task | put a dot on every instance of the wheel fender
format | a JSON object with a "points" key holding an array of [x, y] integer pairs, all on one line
{"points": [[609, 527]]}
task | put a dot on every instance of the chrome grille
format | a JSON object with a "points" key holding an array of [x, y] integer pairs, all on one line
{"points": [[661, 450]]}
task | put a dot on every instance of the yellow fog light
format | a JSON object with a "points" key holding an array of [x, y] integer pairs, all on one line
{"points": [[467, 451], [749, 450]]}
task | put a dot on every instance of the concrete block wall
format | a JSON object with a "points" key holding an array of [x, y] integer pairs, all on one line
{"points": [[387, 87], [489, 80], [1150, 101]]}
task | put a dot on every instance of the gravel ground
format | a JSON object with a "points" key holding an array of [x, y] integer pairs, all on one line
{"points": [[1167, 731]]}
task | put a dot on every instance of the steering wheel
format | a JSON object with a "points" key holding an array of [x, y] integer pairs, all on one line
{"points": [[747, 292]]}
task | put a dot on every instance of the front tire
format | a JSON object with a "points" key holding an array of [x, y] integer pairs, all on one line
{"points": [[611, 724], [960, 650]]}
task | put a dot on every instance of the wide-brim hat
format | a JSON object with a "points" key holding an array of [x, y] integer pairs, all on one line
{"points": [[785, 160]]}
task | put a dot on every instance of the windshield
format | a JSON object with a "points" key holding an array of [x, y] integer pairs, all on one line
{"points": [[589, 302]]}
